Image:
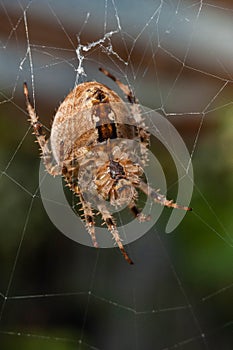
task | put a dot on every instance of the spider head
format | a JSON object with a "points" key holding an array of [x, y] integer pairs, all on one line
{"points": [[122, 190], [99, 96], [116, 180]]}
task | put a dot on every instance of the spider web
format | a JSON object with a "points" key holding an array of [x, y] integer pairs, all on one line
{"points": [[55, 293]]}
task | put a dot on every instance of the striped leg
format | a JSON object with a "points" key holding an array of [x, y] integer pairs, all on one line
{"points": [[159, 198], [109, 221], [89, 220], [40, 136]]}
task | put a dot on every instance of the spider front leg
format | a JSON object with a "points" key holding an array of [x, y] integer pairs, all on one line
{"points": [[125, 88], [159, 198], [40, 136], [135, 108], [109, 221]]}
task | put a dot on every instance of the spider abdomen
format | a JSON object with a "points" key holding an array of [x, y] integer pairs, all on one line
{"points": [[90, 114]]}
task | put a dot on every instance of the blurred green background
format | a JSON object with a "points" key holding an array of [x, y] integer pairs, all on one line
{"points": [[57, 294]]}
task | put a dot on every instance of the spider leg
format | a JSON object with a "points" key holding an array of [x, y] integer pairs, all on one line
{"points": [[40, 136], [129, 94], [89, 219], [109, 221], [86, 207], [144, 135], [137, 212], [159, 198]]}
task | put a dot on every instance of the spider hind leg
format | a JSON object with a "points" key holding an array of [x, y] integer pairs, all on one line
{"points": [[109, 221], [88, 214], [89, 220]]}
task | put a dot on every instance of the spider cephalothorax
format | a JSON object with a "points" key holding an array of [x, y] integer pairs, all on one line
{"points": [[92, 145], [106, 173]]}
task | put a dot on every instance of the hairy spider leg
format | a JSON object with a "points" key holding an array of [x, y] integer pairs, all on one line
{"points": [[41, 138], [85, 206], [109, 221], [89, 220], [159, 198]]}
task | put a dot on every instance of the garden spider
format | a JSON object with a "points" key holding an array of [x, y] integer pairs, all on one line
{"points": [[89, 146]]}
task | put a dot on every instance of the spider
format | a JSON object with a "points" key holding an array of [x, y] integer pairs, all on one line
{"points": [[88, 147]]}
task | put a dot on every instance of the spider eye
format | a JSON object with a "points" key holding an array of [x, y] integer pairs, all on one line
{"points": [[100, 96]]}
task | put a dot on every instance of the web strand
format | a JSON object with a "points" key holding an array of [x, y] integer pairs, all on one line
{"points": [[170, 58]]}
